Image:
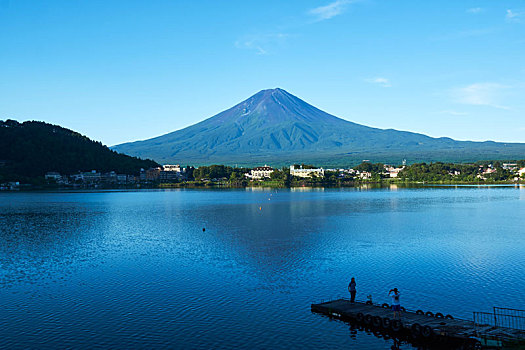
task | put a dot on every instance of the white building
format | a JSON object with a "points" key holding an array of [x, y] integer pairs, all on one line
{"points": [[365, 175], [393, 172], [510, 166], [260, 172], [52, 175], [171, 167], [306, 172], [521, 172], [489, 171]]}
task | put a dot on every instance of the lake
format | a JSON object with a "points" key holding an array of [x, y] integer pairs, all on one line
{"points": [[135, 269]]}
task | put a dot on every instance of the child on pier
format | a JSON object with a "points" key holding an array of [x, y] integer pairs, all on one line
{"points": [[396, 305]]}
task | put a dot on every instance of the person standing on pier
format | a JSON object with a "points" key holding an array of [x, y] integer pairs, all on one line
{"points": [[352, 290], [396, 305]]}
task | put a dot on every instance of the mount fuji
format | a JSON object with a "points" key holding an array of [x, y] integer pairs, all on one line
{"points": [[278, 128]]}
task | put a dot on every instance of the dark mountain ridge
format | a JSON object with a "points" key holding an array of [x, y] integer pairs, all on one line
{"points": [[276, 127], [30, 149]]}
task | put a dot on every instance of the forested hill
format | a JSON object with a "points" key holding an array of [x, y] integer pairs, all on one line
{"points": [[30, 149]]}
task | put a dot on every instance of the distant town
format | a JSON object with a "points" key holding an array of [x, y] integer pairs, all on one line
{"points": [[171, 175]]}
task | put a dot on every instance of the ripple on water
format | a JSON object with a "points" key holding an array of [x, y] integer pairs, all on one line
{"points": [[135, 269]]}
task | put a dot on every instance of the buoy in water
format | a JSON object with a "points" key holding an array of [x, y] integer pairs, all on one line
{"points": [[203, 229], [260, 208]]}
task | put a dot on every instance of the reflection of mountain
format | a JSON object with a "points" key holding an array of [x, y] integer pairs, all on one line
{"points": [[276, 233], [267, 233], [276, 127]]}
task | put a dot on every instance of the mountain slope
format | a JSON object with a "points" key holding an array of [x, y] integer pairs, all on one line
{"points": [[276, 127], [31, 149]]}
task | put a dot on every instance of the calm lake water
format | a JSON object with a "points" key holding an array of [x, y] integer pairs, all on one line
{"points": [[135, 269]]}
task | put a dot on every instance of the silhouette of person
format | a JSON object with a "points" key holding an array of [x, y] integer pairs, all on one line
{"points": [[352, 290]]}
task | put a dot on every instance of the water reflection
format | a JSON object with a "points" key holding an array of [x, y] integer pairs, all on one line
{"points": [[135, 268], [307, 189], [395, 341]]}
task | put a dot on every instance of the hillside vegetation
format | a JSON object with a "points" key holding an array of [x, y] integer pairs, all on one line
{"points": [[28, 150]]}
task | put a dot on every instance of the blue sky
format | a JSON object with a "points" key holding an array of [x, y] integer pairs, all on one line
{"points": [[120, 71]]}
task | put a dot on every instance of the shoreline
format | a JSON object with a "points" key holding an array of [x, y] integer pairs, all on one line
{"points": [[260, 185]]}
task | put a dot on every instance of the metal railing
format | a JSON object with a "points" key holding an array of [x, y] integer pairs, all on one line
{"points": [[501, 317], [484, 319], [509, 318]]}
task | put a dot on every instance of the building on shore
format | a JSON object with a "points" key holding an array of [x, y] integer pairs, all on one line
{"points": [[110, 177], [364, 175], [319, 172], [169, 176], [90, 176], [171, 167], [172, 172], [260, 172], [489, 171], [10, 186], [53, 175], [142, 175], [153, 174], [132, 179], [393, 172], [510, 166], [122, 178]]}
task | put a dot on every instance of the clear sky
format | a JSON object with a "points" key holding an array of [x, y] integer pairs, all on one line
{"points": [[120, 71]]}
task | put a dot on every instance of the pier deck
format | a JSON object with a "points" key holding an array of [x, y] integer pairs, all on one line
{"points": [[416, 326]]}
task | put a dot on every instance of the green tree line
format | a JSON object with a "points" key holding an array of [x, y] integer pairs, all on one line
{"points": [[438, 172]]}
